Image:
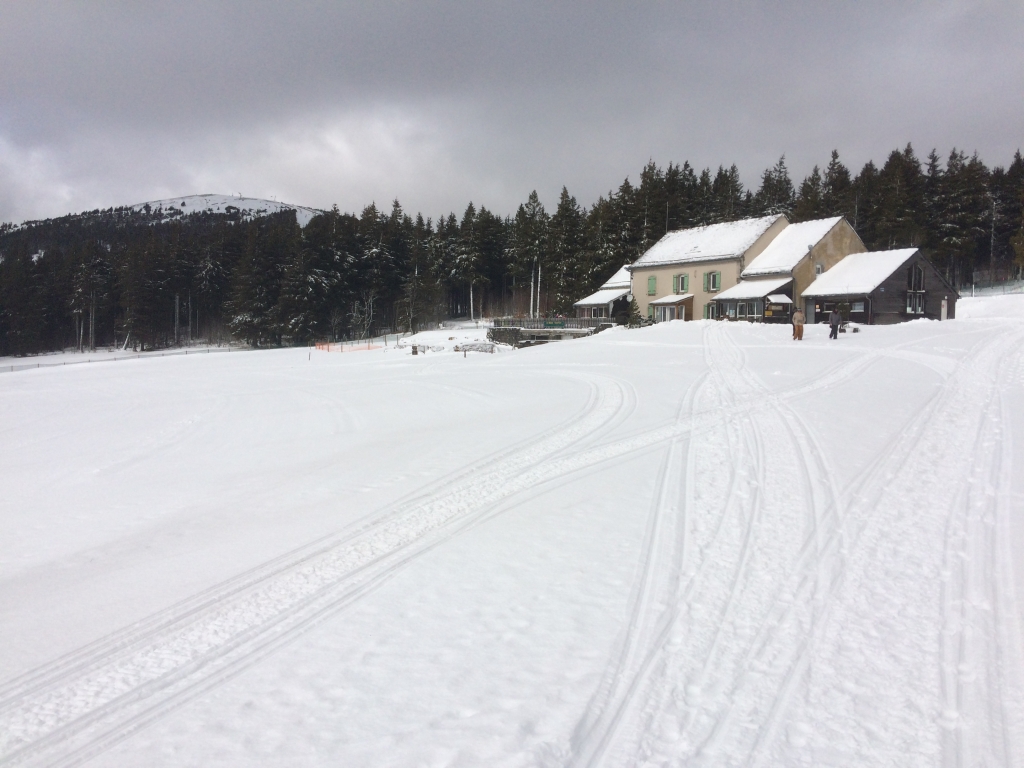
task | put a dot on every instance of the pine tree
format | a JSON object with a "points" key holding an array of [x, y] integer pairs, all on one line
{"points": [[256, 283], [704, 203], [865, 203], [635, 318], [836, 189], [727, 191], [467, 267], [776, 195], [566, 252], [529, 247], [898, 218], [964, 206], [809, 204]]}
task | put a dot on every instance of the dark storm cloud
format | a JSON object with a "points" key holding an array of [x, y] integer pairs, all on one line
{"points": [[440, 103]]}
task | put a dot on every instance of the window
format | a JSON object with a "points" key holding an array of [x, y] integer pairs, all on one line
{"points": [[818, 268], [709, 312], [597, 312], [712, 281], [741, 309], [915, 290], [915, 278], [856, 306], [652, 285], [680, 283]]}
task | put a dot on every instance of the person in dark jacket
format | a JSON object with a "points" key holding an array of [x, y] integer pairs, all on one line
{"points": [[834, 321]]}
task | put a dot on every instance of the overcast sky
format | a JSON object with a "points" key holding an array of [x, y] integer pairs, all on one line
{"points": [[437, 104]]}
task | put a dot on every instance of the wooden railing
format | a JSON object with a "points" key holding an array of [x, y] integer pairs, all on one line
{"points": [[537, 323]]}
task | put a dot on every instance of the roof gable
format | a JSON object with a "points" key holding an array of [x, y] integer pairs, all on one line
{"points": [[790, 246], [620, 279], [859, 273], [714, 241]]}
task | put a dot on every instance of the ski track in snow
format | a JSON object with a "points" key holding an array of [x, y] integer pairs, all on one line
{"points": [[762, 581], [715, 663], [68, 711], [80, 705]]}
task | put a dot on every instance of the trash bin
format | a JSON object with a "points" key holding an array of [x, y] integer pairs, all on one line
{"points": [[415, 349]]}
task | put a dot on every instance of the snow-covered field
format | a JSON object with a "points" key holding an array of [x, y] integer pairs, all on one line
{"points": [[691, 544]]}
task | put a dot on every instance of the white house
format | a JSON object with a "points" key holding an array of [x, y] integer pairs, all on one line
{"points": [[702, 261], [602, 303]]}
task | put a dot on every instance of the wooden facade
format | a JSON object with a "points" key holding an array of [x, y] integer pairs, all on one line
{"points": [[915, 289]]}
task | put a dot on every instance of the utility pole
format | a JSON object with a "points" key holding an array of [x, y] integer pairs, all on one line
{"points": [[538, 290], [533, 274], [992, 243], [92, 321]]}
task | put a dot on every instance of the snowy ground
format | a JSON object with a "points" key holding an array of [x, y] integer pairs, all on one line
{"points": [[13, 364], [691, 544]]}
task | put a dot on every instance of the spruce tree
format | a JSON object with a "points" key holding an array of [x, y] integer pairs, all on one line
{"points": [[727, 191], [809, 203], [898, 215], [776, 195], [567, 253], [964, 206], [836, 189]]}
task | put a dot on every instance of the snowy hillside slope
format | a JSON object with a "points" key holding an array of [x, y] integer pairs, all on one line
{"points": [[247, 206], [691, 544]]}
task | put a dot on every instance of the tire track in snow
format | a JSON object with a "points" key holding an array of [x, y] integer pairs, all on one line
{"points": [[74, 708], [874, 698]]}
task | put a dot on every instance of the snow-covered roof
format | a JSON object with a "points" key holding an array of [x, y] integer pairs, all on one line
{"points": [[714, 241], [247, 206], [779, 298], [602, 297], [753, 289], [859, 273], [620, 279], [672, 298], [786, 250]]}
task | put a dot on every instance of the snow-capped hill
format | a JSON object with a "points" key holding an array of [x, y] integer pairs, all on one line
{"points": [[246, 206]]}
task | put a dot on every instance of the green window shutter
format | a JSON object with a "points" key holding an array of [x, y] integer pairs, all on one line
{"points": [[684, 283], [652, 285], [650, 311], [706, 276], [675, 283]]}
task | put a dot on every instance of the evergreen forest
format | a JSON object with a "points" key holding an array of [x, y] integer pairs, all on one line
{"points": [[147, 280]]}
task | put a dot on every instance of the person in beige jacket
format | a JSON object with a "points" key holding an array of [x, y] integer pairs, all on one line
{"points": [[798, 325]]}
